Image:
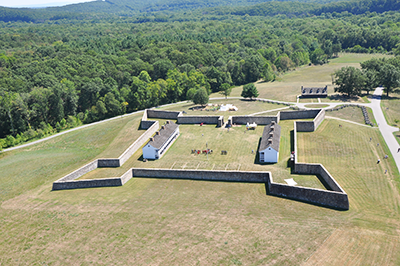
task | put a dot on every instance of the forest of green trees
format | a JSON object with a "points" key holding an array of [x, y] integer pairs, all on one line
{"points": [[65, 70]]}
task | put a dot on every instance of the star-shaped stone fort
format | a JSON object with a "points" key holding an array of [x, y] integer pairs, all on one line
{"points": [[334, 197]]}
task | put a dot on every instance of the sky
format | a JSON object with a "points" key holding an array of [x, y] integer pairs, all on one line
{"points": [[39, 3]]}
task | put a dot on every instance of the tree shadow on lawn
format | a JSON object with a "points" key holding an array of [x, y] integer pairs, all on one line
{"points": [[397, 136], [343, 98], [248, 100], [384, 97]]}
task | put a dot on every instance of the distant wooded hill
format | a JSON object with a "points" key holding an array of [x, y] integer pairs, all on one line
{"points": [[217, 7]]}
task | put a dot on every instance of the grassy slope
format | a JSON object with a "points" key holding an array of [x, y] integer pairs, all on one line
{"points": [[349, 155], [349, 113], [238, 142], [181, 222], [391, 109], [287, 87]]}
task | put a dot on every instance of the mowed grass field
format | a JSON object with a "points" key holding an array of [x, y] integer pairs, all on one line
{"points": [[287, 87], [349, 113], [241, 146], [350, 156], [391, 109], [184, 222]]}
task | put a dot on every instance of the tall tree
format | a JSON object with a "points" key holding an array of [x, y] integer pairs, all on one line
{"points": [[200, 97], [349, 80], [6, 102], [253, 67], [226, 90], [40, 103], [249, 91], [371, 80], [389, 77]]}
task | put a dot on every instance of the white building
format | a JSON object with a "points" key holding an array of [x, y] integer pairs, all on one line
{"points": [[269, 146], [162, 140]]}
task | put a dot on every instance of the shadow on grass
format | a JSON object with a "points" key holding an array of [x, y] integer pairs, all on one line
{"points": [[323, 182], [248, 100], [384, 97], [292, 140], [397, 136], [290, 163], [313, 97], [141, 159], [342, 98]]}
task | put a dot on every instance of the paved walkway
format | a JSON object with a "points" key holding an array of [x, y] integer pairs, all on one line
{"points": [[386, 130]]}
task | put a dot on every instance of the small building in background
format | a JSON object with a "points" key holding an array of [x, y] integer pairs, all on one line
{"points": [[269, 146], [314, 92], [161, 141]]}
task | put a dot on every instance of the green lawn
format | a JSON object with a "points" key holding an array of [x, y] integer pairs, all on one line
{"points": [[239, 142], [391, 108], [349, 113], [287, 87], [162, 221]]}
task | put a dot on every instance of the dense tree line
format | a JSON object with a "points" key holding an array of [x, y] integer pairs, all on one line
{"points": [[171, 10], [84, 72], [59, 74], [373, 73]]}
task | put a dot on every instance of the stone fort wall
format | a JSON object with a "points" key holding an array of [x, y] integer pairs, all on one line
{"points": [[151, 113], [207, 119], [334, 197], [69, 182], [210, 175], [259, 120], [139, 142], [325, 198], [182, 119], [74, 184], [79, 172]]}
